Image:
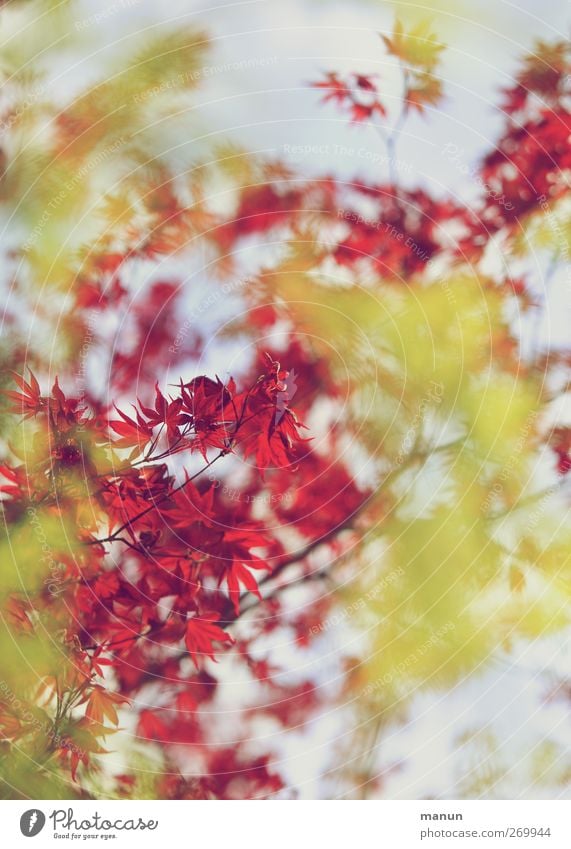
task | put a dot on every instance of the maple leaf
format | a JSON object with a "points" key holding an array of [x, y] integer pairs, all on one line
{"points": [[425, 90], [16, 478], [97, 661], [76, 757], [238, 574], [29, 401], [151, 726], [359, 95], [101, 704], [212, 410], [80, 740], [18, 610], [274, 444], [417, 47], [202, 633], [10, 726], [360, 112], [271, 431], [544, 72], [365, 82], [165, 413], [132, 433], [337, 90], [189, 505], [562, 447], [106, 585], [206, 398]]}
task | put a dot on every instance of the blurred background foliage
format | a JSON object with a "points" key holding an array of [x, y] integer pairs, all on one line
{"points": [[460, 552]]}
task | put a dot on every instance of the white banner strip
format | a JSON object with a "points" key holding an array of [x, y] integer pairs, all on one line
{"points": [[281, 825]]}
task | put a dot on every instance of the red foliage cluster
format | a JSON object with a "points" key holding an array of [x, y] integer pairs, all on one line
{"points": [[526, 171], [357, 94], [403, 235], [191, 552]]}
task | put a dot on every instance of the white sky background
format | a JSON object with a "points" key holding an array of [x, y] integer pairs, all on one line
{"points": [[269, 107]]}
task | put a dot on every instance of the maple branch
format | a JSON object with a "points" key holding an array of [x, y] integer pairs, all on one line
{"points": [[106, 646], [390, 139], [127, 525], [148, 456], [300, 555]]}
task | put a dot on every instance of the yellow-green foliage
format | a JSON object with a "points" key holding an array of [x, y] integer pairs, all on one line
{"points": [[452, 425], [67, 161]]}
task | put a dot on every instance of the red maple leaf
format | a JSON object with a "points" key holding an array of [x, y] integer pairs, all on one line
{"points": [[201, 633], [238, 574], [132, 433], [29, 401], [165, 413], [101, 705]]}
